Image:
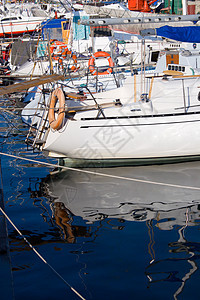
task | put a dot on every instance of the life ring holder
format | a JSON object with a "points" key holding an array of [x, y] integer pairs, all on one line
{"points": [[98, 54], [56, 123]]}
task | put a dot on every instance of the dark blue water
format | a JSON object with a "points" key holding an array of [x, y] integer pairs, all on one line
{"points": [[108, 238]]}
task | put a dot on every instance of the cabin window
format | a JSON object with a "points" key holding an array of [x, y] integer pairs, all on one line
{"points": [[65, 25], [101, 31], [8, 19], [198, 97], [154, 56], [176, 68], [44, 6]]}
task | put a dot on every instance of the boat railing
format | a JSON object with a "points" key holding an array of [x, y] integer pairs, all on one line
{"points": [[183, 85], [81, 95], [116, 73], [95, 101], [98, 73]]}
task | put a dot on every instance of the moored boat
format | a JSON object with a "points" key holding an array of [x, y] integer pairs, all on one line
{"points": [[19, 25], [149, 118]]}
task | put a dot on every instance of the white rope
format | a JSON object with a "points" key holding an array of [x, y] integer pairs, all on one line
{"points": [[103, 174], [40, 256]]}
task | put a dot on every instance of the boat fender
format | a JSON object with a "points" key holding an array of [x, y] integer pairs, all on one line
{"points": [[91, 63], [56, 123]]}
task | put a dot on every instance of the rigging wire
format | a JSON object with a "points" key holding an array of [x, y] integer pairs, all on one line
{"points": [[40, 256]]}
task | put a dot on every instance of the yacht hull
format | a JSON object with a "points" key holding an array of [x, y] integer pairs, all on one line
{"points": [[128, 140]]}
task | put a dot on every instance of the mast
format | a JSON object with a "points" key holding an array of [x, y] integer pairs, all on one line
{"points": [[184, 6]]}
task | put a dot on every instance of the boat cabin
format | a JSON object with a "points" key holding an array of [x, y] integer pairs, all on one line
{"points": [[178, 61]]}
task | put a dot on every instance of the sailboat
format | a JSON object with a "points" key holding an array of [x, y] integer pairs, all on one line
{"points": [[151, 118]]}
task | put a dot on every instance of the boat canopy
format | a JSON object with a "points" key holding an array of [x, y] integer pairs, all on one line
{"points": [[52, 23], [190, 34]]}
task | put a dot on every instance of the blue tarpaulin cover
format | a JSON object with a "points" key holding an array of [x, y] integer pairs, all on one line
{"points": [[53, 23], [190, 34]]}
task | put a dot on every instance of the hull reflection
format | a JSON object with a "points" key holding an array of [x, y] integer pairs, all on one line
{"points": [[85, 205], [95, 197]]}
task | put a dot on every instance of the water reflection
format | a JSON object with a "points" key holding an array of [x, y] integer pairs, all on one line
{"points": [[94, 197], [176, 269], [98, 199], [64, 219]]}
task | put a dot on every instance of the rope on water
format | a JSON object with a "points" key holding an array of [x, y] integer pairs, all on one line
{"points": [[40, 256], [103, 174]]}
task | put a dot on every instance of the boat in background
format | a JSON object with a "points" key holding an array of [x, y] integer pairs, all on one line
{"points": [[19, 25], [18, 20], [154, 12]]}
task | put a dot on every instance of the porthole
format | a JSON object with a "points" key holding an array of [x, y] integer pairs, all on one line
{"points": [[198, 96]]}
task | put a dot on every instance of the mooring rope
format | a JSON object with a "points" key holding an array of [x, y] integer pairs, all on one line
{"points": [[39, 255], [87, 172], [103, 174]]}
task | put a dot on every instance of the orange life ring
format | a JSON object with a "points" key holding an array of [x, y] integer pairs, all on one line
{"points": [[62, 47], [91, 63], [56, 95], [73, 56], [63, 52]]}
